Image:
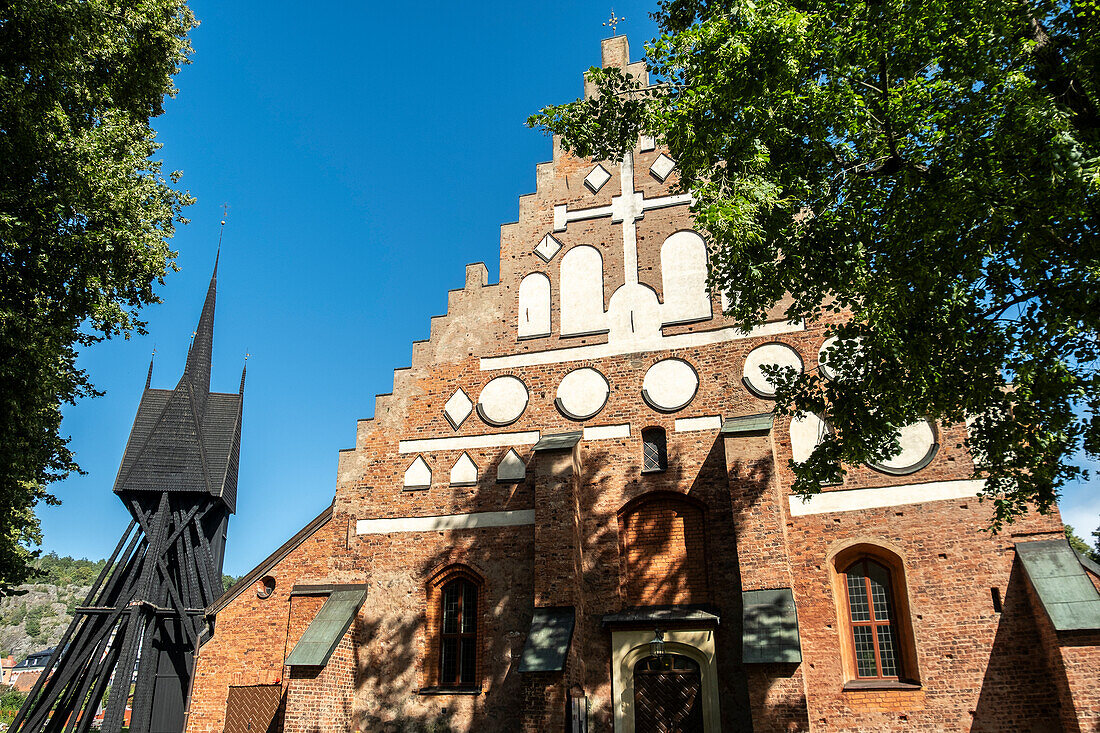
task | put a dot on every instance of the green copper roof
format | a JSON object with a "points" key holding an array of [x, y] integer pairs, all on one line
{"points": [[769, 627], [548, 640], [760, 423], [327, 628], [559, 441], [1068, 596]]}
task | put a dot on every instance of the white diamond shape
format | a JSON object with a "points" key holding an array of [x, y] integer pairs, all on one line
{"points": [[647, 143], [662, 167], [596, 178], [457, 409], [547, 248]]}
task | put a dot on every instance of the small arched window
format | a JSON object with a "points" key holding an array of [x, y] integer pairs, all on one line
{"points": [[654, 450], [873, 620], [458, 634]]}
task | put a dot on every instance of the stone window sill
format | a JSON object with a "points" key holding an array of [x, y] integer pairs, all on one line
{"points": [[862, 685], [449, 691]]}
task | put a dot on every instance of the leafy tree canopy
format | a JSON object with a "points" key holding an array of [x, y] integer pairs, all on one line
{"points": [[85, 215], [927, 171]]}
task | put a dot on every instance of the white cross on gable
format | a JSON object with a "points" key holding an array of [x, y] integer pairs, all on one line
{"points": [[634, 314]]}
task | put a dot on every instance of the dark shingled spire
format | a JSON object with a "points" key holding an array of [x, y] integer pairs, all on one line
{"points": [[186, 439], [197, 370]]}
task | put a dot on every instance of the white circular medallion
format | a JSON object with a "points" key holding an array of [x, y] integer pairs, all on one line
{"points": [[773, 353], [502, 401], [807, 430], [582, 393], [827, 370], [918, 448], [670, 385]]}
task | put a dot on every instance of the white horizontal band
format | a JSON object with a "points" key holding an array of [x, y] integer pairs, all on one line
{"points": [[515, 518], [599, 351], [851, 500], [707, 422], [462, 442], [599, 432]]}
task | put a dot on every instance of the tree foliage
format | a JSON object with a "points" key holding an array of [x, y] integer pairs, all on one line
{"points": [[928, 173], [85, 215]]}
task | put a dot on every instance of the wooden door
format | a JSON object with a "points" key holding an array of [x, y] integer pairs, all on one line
{"points": [[668, 695]]}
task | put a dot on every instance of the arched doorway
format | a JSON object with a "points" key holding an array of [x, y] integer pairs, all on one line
{"points": [[668, 695]]}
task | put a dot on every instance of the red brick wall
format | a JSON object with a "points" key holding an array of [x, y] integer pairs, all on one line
{"points": [[977, 668], [664, 553]]}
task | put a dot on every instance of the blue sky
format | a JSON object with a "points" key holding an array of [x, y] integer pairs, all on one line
{"points": [[367, 151]]}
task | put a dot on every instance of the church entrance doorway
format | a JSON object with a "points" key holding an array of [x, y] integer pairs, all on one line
{"points": [[668, 695]]}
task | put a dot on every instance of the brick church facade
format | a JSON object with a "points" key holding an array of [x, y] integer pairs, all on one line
{"points": [[573, 513]]}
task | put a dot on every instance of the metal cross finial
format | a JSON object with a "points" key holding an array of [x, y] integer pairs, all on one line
{"points": [[613, 22], [225, 213]]}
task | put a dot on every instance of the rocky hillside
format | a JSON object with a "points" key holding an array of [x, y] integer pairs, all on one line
{"points": [[38, 617]]}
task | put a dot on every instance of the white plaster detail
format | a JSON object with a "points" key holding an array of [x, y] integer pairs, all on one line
{"points": [[662, 167], [706, 422], [534, 306], [511, 467], [600, 351], [465, 442], [647, 143], [628, 647], [602, 432], [916, 441], [516, 518], [464, 471], [849, 500], [547, 247], [596, 178], [766, 354], [582, 393], [684, 279], [728, 302], [581, 285], [502, 400], [823, 356], [670, 385], [634, 316], [458, 408], [807, 430], [418, 475]]}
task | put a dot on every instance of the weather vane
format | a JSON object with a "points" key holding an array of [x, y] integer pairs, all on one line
{"points": [[613, 22], [225, 215]]}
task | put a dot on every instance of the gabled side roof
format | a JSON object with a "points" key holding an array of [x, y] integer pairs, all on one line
{"points": [[270, 562]]}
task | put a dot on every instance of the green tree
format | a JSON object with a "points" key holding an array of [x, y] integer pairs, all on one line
{"points": [[1078, 544], [85, 215], [927, 172]]}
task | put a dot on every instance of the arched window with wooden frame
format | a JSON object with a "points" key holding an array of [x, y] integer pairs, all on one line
{"points": [[454, 630], [877, 638]]}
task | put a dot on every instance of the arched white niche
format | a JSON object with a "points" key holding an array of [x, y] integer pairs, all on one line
{"points": [[807, 431], [684, 279], [534, 306], [582, 292]]}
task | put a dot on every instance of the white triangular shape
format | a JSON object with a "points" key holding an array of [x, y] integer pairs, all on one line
{"points": [[511, 467], [457, 409], [464, 471], [418, 475]]}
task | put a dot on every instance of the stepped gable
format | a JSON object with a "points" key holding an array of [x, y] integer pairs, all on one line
{"points": [[187, 439]]}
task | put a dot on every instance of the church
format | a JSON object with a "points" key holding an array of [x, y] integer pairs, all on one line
{"points": [[573, 513]]}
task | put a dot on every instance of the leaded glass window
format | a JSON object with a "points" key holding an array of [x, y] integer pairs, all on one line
{"points": [[872, 618], [458, 638], [654, 450]]}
